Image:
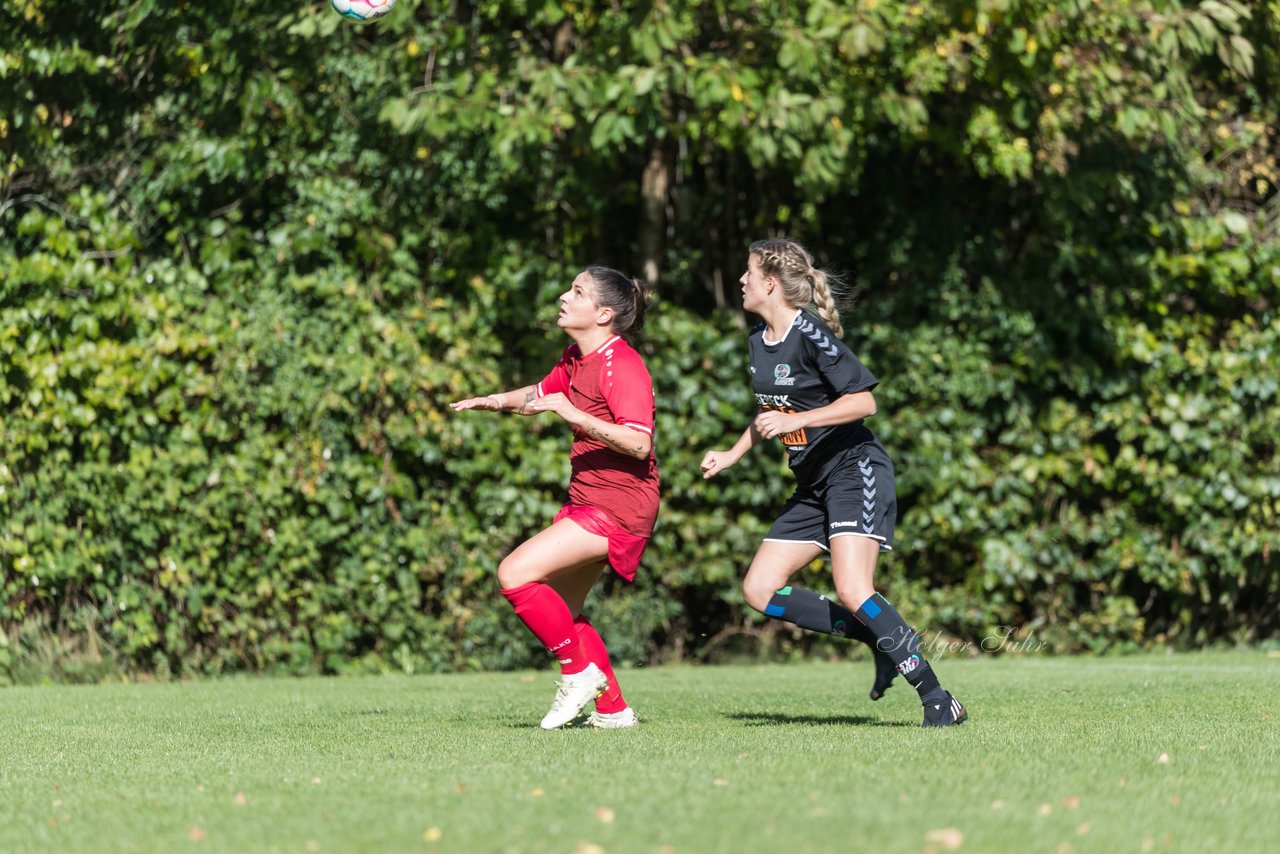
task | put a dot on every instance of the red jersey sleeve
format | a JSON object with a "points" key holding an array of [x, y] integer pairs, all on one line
{"points": [[628, 389], [558, 379]]}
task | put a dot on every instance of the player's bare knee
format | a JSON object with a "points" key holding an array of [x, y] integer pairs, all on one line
{"points": [[756, 594], [513, 572], [853, 595]]}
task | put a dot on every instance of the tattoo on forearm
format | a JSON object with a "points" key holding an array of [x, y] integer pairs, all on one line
{"points": [[528, 397], [616, 443]]}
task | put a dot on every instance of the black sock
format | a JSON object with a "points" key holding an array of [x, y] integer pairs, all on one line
{"points": [[896, 639], [808, 610]]}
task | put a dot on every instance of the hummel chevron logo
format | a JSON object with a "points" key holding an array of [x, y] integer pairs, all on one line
{"points": [[865, 466], [869, 481], [824, 343], [869, 494]]}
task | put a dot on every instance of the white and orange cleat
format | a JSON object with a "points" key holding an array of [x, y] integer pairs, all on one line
{"points": [[573, 692], [614, 720]]}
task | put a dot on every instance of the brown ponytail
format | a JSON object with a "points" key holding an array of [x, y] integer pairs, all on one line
{"points": [[625, 295]]}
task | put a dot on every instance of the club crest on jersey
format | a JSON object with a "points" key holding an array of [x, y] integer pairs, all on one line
{"points": [[782, 375]]}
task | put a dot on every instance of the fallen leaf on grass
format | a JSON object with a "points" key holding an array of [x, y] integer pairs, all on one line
{"points": [[197, 834], [240, 800], [588, 848], [1071, 802], [1084, 828], [1164, 759], [943, 839], [605, 814], [432, 834], [536, 793], [1045, 809], [720, 782]]}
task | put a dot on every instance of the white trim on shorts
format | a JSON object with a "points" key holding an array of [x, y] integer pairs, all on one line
{"points": [[884, 544], [796, 542]]}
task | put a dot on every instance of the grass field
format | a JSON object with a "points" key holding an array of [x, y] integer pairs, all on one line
{"points": [[1148, 753]]}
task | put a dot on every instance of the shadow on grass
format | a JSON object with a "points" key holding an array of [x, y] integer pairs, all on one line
{"points": [[750, 719], [783, 719]]}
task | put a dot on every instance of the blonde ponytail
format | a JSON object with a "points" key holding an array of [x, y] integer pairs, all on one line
{"points": [[825, 301]]}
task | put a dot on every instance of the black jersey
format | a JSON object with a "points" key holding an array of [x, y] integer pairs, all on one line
{"points": [[808, 369]]}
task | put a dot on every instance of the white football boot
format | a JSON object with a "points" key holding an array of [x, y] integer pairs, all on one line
{"points": [[573, 692], [614, 720]]}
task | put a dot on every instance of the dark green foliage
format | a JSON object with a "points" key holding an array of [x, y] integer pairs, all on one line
{"points": [[246, 261]]}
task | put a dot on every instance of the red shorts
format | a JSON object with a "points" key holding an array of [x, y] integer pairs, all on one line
{"points": [[625, 548]]}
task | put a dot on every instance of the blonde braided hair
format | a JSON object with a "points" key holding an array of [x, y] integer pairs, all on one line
{"points": [[803, 285]]}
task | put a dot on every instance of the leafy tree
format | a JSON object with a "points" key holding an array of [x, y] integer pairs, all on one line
{"points": [[246, 258]]}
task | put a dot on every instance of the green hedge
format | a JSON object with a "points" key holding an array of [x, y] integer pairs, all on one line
{"points": [[276, 484]]}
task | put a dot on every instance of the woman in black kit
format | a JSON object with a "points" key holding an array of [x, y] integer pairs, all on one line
{"points": [[813, 396]]}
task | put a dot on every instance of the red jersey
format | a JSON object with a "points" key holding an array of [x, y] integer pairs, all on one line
{"points": [[612, 384]]}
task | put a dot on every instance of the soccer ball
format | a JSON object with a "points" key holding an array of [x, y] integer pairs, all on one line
{"points": [[362, 10]]}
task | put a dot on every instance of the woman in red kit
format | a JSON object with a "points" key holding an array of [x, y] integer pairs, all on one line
{"points": [[602, 389]]}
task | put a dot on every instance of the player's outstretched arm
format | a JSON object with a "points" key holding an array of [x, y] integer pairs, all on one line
{"points": [[621, 437], [517, 400], [714, 462]]}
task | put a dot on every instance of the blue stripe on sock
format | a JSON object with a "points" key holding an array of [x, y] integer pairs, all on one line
{"points": [[772, 610], [870, 608]]}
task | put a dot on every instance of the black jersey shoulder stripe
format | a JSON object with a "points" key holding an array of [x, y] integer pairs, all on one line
{"points": [[815, 334]]}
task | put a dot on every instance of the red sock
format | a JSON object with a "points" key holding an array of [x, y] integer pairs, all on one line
{"points": [[594, 649], [547, 616]]}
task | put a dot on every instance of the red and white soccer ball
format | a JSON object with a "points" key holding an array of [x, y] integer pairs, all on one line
{"points": [[362, 10]]}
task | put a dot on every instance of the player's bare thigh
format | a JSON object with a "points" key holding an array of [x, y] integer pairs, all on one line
{"points": [[853, 567], [772, 567], [562, 549]]}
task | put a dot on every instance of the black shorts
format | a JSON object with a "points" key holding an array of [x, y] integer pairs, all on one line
{"points": [[855, 497]]}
